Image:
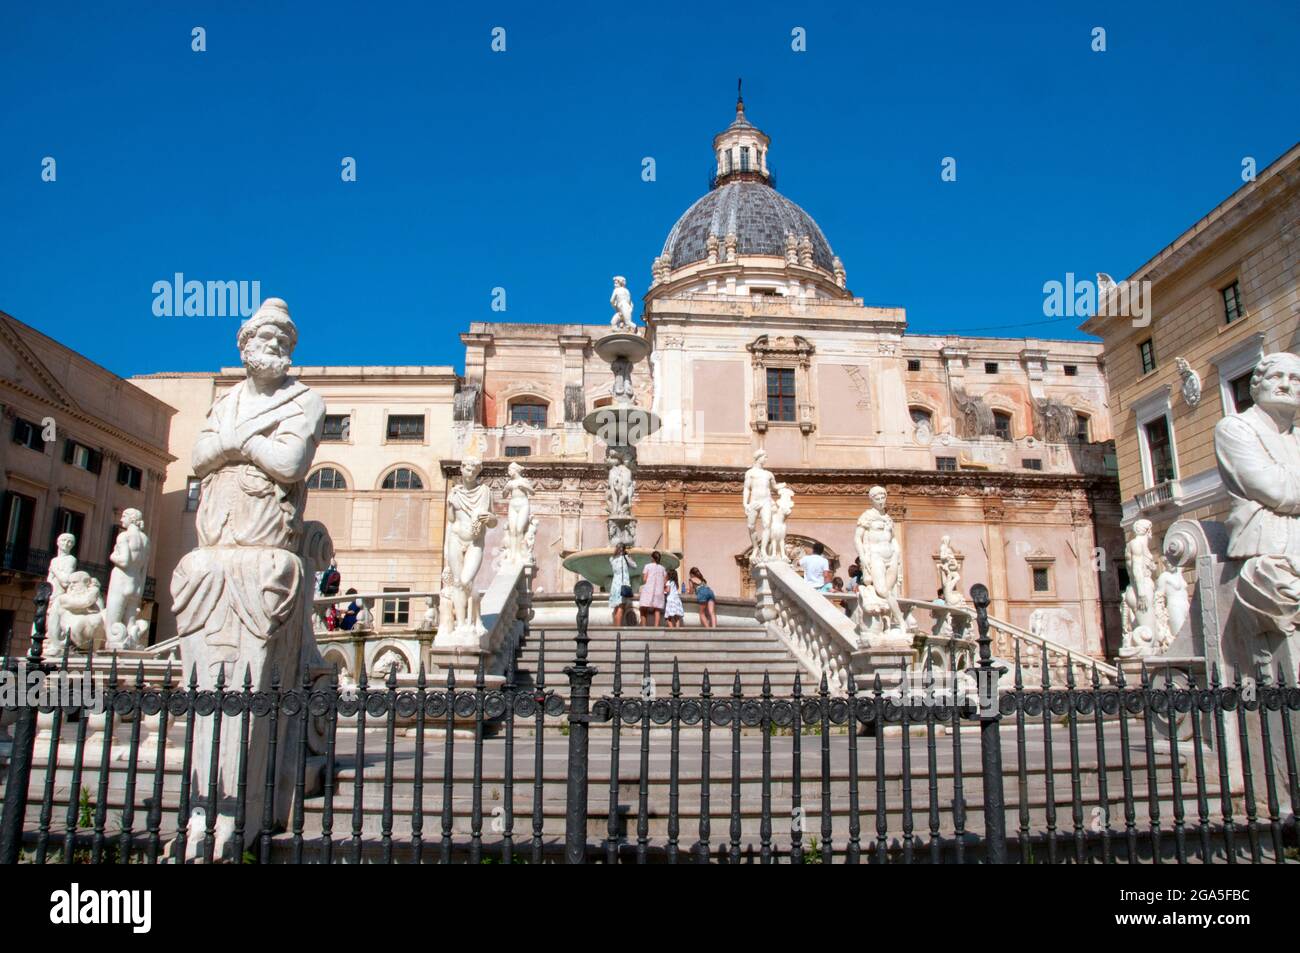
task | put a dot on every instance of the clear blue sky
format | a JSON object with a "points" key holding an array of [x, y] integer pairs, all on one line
{"points": [[522, 169]]}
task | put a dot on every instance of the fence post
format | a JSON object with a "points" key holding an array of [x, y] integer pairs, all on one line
{"points": [[986, 679], [580, 675], [20, 756]]}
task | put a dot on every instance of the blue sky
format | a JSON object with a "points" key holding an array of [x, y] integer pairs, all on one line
{"points": [[522, 169]]}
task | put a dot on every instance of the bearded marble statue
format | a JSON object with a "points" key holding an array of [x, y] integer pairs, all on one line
{"points": [[1259, 462], [130, 559], [81, 613], [238, 596]]}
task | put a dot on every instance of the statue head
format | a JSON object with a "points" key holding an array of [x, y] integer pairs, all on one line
{"points": [[620, 281], [1275, 384], [132, 517], [266, 341], [878, 496], [760, 457], [470, 468], [64, 543], [515, 470], [1142, 528]]}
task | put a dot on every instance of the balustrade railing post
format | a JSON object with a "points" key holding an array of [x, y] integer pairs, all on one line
{"points": [[580, 676], [990, 715], [24, 743]]}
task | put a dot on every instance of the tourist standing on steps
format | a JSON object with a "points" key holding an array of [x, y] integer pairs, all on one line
{"points": [[654, 591], [705, 597], [674, 611], [620, 586]]}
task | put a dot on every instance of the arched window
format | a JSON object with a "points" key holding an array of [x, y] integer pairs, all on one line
{"points": [[403, 478], [327, 478], [529, 411], [1002, 425], [921, 418]]}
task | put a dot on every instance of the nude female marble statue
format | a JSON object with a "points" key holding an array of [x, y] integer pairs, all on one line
{"points": [[469, 516], [130, 559], [519, 514], [61, 568]]}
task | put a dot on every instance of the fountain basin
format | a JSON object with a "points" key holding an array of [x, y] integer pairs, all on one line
{"points": [[611, 347], [593, 565], [621, 426]]}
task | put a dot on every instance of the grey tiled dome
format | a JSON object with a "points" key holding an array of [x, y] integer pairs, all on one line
{"points": [[760, 216]]}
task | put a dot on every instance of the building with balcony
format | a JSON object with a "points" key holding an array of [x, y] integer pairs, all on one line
{"points": [[78, 445], [1221, 295]]}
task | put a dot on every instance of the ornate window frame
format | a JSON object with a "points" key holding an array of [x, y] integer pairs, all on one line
{"points": [[1235, 361], [781, 352]]}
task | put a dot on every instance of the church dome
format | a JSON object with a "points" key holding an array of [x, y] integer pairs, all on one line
{"points": [[759, 216]]}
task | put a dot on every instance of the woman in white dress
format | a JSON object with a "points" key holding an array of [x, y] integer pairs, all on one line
{"points": [[620, 586], [674, 611]]}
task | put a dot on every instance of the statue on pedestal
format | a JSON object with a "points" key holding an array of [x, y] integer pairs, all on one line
{"points": [[62, 566], [81, 613], [518, 516], [469, 516], [780, 514], [621, 388], [621, 301], [881, 558], [622, 486], [130, 559], [757, 499], [1259, 461], [1173, 601], [238, 596], [1143, 634], [950, 573]]}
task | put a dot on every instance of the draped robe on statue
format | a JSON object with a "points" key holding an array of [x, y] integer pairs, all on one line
{"points": [[237, 596]]}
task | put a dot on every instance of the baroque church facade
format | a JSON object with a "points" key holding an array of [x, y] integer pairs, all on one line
{"points": [[1004, 445]]}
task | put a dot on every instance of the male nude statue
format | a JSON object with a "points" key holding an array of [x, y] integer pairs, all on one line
{"points": [[879, 553], [758, 499]]}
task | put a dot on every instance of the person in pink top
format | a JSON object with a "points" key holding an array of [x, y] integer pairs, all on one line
{"points": [[654, 589]]}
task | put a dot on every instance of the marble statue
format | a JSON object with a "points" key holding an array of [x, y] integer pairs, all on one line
{"points": [[530, 543], [62, 566], [238, 595], [1142, 633], [621, 301], [950, 573], [1173, 601], [518, 515], [1191, 382], [81, 613], [130, 559], [618, 495], [1258, 454], [881, 558], [780, 515], [757, 499], [621, 387], [469, 517]]}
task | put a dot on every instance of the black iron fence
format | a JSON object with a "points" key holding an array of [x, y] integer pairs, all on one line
{"points": [[948, 770]]}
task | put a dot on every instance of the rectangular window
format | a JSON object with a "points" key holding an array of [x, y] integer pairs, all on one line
{"points": [[82, 457], [532, 414], [1082, 430], [744, 158], [193, 487], [945, 463], [16, 528], [990, 367], [913, 364], [1042, 579], [1240, 387], [1071, 370], [1147, 355], [397, 611], [780, 394], [1030, 463], [28, 435], [128, 475], [337, 428], [1002, 426], [1231, 302], [1160, 450], [405, 426], [519, 451]]}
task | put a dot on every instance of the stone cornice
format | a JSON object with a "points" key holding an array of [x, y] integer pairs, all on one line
{"points": [[76, 414]]}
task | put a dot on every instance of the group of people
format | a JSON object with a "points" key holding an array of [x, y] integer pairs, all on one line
{"points": [[660, 601], [816, 569]]}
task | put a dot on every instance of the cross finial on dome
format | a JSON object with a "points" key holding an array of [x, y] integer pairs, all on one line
{"points": [[740, 99]]}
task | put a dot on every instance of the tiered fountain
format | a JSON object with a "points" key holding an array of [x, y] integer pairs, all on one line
{"points": [[620, 427]]}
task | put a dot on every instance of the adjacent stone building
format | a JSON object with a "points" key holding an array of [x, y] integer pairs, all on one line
{"points": [[80, 445], [1222, 294]]}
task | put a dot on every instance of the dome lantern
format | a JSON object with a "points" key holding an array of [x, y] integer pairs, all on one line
{"points": [[740, 150]]}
